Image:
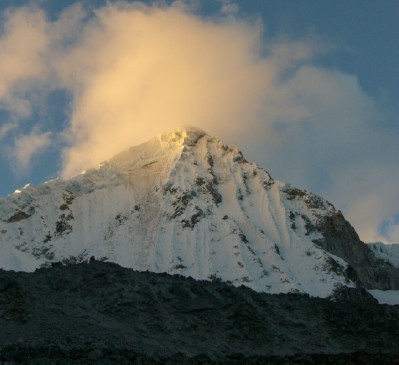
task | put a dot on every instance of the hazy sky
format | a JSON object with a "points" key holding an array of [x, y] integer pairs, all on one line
{"points": [[307, 89]]}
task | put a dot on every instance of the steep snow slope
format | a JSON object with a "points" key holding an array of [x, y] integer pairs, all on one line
{"points": [[387, 252], [182, 203]]}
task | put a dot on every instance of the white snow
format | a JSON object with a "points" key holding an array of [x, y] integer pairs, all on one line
{"points": [[182, 203], [387, 252], [386, 296]]}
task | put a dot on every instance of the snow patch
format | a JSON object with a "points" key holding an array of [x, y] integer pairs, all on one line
{"points": [[390, 297]]}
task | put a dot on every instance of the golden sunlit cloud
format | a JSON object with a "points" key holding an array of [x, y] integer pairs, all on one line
{"points": [[145, 70], [134, 70], [23, 48]]}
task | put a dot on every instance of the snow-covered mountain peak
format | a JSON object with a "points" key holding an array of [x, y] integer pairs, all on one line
{"points": [[160, 147], [185, 203]]}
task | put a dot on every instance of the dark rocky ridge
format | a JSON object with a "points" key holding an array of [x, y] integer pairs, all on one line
{"points": [[341, 239], [101, 313]]}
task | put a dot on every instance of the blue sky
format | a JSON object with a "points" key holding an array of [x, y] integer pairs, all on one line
{"points": [[308, 89]]}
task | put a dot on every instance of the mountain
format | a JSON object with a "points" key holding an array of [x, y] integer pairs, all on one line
{"points": [[387, 252], [185, 203]]}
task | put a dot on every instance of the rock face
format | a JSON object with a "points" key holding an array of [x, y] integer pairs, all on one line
{"points": [[185, 203], [367, 269]]}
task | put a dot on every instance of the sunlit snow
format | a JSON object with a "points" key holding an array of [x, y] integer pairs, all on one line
{"points": [[182, 203]]}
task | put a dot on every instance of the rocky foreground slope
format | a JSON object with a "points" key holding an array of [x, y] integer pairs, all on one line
{"points": [[185, 203], [100, 313]]}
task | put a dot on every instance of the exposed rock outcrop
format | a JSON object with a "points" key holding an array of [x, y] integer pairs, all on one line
{"points": [[340, 238]]}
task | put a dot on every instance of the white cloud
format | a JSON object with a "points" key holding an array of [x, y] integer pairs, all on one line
{"points": [[144, 70], [135, 70], [23, 47], [5, 129], [229, 7], [366, 191], [25, 148]]}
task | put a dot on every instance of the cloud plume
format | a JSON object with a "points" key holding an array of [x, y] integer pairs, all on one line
{"points": [[23, 49], [25, 148], [134, 70]]}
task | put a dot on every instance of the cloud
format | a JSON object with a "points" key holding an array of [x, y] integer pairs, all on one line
{"points": [[229, 7], [5, 129], [337, 145], [29, 45], [23, 48], [375, 209], [25, 148], [135, 70], [146, 69]]}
